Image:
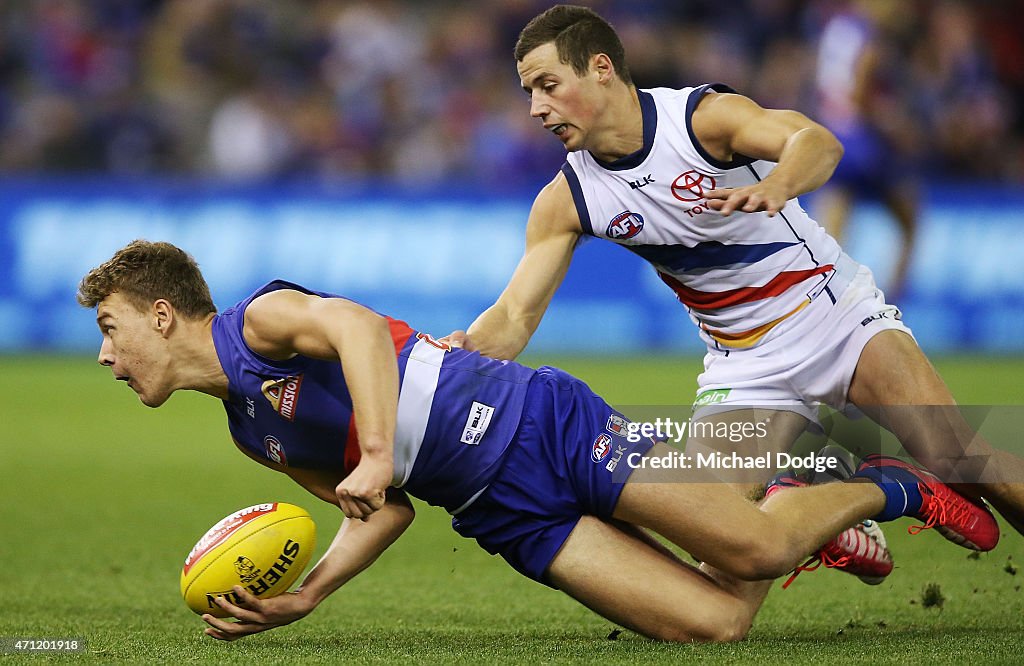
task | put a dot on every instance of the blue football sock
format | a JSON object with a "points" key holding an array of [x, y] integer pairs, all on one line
{"points": [[902, 495]]}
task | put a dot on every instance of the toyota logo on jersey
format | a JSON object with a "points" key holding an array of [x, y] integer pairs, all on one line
{"points": [[625, 225], [692, 186]]}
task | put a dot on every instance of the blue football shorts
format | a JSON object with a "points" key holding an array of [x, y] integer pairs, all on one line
{"points": [[568, 459], [872, 168]]}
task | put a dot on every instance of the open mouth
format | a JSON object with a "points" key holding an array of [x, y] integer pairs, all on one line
{"points": [[560, 129]]}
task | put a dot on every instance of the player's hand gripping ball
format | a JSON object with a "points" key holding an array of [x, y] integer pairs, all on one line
{"points": [[263, 548]]}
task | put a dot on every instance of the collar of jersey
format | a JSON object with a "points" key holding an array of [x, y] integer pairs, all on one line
{"points": [[650, 117]]}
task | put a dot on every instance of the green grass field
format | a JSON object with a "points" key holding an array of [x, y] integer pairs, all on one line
{"points": [[102, 498]]}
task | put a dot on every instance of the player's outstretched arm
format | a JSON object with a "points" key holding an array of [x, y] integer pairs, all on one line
{"points": [[552, 232], [805, 152], [284, 323], [357, 545]]}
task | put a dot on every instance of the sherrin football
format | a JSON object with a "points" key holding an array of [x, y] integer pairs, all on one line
{"points": [[263, 548]]}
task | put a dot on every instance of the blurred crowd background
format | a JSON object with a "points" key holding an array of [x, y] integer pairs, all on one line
{"points": [[426, 92]]}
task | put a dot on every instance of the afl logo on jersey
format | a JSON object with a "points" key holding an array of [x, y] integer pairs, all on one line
{"points": [[692, 186], [602, 447], [625, 225], [275, 450]]}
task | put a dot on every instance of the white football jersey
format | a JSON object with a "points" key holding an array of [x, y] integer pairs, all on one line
{"points": [[739, 275]]}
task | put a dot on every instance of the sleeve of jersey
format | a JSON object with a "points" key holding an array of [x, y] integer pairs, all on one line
{"points": [[691, 105], [577, 197]]}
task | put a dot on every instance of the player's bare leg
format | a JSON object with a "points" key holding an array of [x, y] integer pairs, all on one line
{"points": [[717, 525], [835, 205], [649, 591], [782, 428], [902, 203], [895, 384]]}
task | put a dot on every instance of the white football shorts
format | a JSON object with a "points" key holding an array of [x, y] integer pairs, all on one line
{"points": [[808, 361]]}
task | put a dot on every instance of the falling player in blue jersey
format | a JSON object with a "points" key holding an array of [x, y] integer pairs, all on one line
{"points": [[702, 183], [362, 410]]}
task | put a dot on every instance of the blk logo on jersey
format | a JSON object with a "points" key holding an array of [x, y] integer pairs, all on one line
{"points": [[893, 313], [692, 186], [275, 450], [476, 423], [641, 182], [283, 395], [625, 225], [614, 462], [602, 447]]}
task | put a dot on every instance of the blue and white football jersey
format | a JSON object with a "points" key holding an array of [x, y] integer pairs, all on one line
{"points": [[457, 410]]}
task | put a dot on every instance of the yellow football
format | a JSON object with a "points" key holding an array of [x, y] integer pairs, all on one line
{"points": [[263, 548]]}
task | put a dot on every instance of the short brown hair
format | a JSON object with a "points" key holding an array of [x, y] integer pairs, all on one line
{"points": [[144, 272], [578, 33]]}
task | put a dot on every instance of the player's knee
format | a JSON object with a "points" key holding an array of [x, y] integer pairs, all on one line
{"points": [[731, 631], [719, 630], [762, 559], [773, 562]]}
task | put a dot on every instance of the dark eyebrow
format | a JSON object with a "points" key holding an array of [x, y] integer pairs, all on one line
{"points": [[529, 86]]}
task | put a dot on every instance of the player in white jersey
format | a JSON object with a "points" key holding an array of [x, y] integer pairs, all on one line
{"points": [[703, 182], [738, 280]]}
